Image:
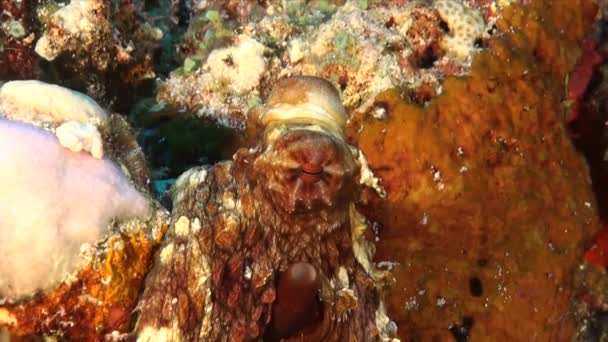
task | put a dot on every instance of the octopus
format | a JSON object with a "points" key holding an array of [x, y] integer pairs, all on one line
{"points": [[269, 246]]}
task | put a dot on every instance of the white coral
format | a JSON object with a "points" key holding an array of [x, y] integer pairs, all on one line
{"points": [[33, 101], [242, 64], [52, 202], [78, 137]]}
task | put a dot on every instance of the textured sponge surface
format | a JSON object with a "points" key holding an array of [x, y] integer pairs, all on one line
{"points": [[52, 201]]}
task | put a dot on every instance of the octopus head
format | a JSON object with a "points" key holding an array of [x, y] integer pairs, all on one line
{"points": [[306, 164]]}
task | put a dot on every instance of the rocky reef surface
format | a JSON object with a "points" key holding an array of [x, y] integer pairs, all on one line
{"points": [[434, 187]]}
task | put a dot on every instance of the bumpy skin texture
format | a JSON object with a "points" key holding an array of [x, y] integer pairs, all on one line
{"points": [[218, 279]]}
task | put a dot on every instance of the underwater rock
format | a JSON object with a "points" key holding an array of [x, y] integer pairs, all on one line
{"points": [[488, 205], [72, 116], [239, 224], [78, 231], [464, 25], [477, 201]]}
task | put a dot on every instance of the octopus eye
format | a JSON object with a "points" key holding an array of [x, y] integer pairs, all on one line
{"points": [[311, 173], [306, 171]]}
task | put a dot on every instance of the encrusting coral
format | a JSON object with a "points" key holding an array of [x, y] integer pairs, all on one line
{"points": [[488, 205]]}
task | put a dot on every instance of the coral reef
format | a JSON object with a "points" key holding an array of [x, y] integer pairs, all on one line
{"points": [[241, 228], [488, 205], [429, 184], [108, 49], [362, 51], [78, 236]]}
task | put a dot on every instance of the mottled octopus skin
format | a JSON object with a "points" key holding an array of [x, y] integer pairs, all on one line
{"points": [[244, 241]]}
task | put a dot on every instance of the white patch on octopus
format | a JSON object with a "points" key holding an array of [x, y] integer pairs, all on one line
{"points": [[167, 253], [161, 334], [182, 227]]}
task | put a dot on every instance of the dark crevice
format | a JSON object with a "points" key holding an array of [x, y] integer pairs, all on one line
{"points": [[475, 286], [461, 331], [590, 136], [427, 59]]}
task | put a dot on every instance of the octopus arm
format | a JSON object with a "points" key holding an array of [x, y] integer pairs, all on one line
{"points": [[176, 303]]}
